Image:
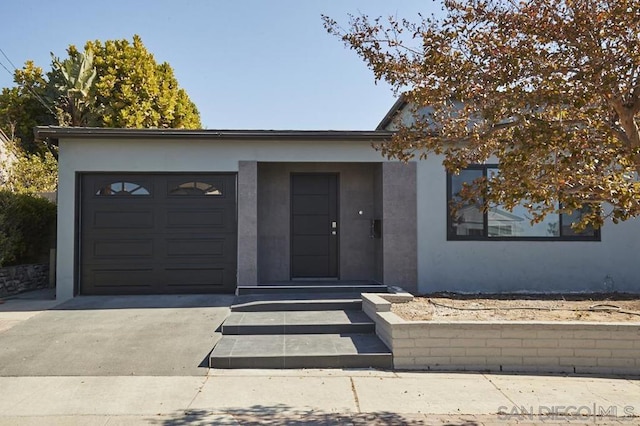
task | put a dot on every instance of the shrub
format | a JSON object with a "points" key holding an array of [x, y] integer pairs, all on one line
{"points": [[33, 173], [27, 224]]}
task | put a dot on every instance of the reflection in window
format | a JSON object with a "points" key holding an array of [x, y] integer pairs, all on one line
{"points": [[517, 222], [568, 219], [471, 222], [469, 219], [195, 188], [123, 188]]}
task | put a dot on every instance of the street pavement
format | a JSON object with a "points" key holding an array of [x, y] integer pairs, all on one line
{"points": [[139, 360]]}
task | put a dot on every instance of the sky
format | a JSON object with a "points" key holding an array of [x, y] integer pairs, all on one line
{"points": [[247, 64]]}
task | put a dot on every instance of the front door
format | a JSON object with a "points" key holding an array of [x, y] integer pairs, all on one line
{"points": [[314, 225]]}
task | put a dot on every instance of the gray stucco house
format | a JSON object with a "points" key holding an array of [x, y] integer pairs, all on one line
{"points": [[147, 211]]}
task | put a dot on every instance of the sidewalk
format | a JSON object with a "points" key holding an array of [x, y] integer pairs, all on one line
{"points": [[73, 382], [320, 397]]}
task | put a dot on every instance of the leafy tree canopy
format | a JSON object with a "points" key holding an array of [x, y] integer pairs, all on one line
{"points": [[550, 88], [112, 84], [133, 90], [25, 106]]}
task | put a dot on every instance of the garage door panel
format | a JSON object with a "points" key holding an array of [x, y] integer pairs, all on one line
{"points": [[201, 247], [115, 249], [203, 218], [121, 278], [213, 277], [160, 241], [119, 219]]}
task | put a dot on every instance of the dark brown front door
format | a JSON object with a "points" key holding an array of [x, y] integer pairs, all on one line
{"points": [[158, 233], [314, 225]]}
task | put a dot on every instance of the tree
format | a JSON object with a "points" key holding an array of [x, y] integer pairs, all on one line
{"points": [[550, 88], [32, 173], [110, 84], [132, 90], [25, 106], [72, 81]]}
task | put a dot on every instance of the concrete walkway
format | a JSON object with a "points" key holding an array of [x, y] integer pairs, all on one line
{"points": [[274, 397]]}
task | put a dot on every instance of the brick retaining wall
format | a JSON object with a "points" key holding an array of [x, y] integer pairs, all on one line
{"points": [[17, 279], [514, 346]]}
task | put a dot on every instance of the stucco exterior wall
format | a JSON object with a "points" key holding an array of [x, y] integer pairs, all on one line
{"points": [[399, 239], [170, 155], [465, 266], [511, 266], [247, 222]]}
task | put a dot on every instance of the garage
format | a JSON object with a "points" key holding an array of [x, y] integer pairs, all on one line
{"points": [[157, 233]]}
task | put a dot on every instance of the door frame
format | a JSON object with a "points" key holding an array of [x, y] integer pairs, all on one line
{"points": [[339, 228]]}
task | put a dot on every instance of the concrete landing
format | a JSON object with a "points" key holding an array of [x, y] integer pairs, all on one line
{"points": [[301, 351]]}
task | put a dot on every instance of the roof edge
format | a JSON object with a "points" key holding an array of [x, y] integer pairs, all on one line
{"points": [[56, 132], [390, 115]]}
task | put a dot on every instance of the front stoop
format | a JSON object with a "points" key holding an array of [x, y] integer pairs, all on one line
{"points": [[300, 329]]}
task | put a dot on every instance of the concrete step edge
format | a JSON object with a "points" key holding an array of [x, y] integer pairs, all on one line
{"points": [[297, 305], [368, 360], [333, 328]]}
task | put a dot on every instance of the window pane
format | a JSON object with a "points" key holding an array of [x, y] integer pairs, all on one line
{"points": [[500, 223], [469, 219], [503, 223], [568, 219], [517, 223], [195, 188], [123, 188]]}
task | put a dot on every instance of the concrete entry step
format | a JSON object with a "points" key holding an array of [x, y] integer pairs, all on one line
{"points": [[301, 351], [296, 302], [313, 287], [298, 322]]}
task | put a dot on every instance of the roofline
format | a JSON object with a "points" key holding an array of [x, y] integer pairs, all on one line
{"points": [[56, 132], [397, 106]]}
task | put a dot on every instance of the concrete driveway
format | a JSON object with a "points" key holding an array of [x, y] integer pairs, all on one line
{"points": [[112, 336]]}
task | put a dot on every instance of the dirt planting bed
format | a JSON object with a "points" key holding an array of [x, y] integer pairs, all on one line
{"points": [[451, 307]]}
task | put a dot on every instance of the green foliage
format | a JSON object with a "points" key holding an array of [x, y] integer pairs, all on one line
{"points": [[21, 108], [27, 224], [32, 173], [132, 90], [110, 84], [73, 80]]}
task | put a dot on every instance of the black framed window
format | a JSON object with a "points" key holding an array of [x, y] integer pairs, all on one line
{"points": [[470, 222]]}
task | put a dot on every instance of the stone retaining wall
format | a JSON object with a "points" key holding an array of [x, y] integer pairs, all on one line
{"points": [[531, 346], [16, 279]]}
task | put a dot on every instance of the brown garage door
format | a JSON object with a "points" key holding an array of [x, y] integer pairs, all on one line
{"points": [[158, 233]]}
